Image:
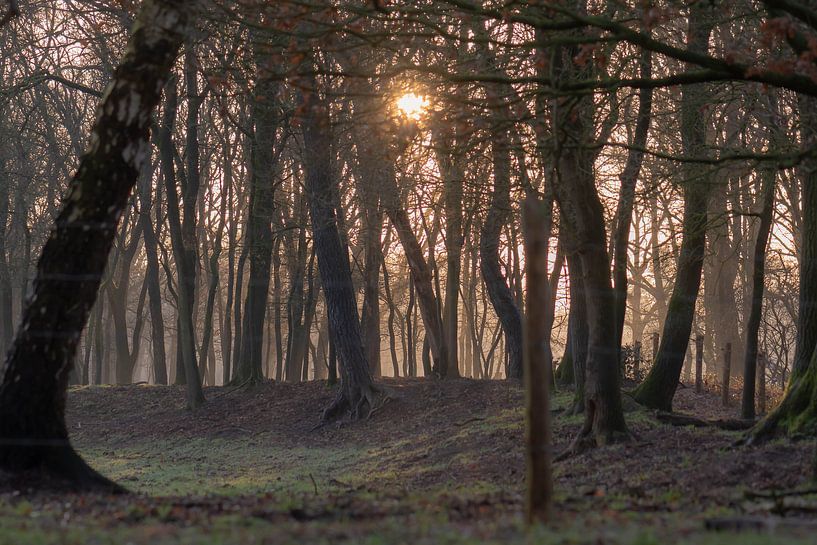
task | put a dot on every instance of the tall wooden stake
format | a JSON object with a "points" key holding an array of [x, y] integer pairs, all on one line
{"points": [[538, 362], [761, 382], [699, 363], [727, 370]]}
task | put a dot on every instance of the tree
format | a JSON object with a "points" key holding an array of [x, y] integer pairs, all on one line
{"points": [[658, 388], [357, 395], [35, 375], [582, 216], [249, 366]]}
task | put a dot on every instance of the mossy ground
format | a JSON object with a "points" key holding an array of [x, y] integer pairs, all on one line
{"points": [[442, 463]]}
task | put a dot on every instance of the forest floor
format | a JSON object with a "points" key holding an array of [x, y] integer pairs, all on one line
{"points": [[441, 463]]}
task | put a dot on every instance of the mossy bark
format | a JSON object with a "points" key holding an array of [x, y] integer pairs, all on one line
{"points": [[659, 386], [796, 414]]}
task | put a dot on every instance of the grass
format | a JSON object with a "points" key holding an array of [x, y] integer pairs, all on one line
{"points": [[420, 486]]}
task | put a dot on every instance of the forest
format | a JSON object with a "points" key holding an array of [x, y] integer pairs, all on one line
{"points": [[408, 271]]}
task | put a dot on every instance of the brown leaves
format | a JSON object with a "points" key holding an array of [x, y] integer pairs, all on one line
{"points": [[590, 53]]}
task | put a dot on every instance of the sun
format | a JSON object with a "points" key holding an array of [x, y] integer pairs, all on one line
{"points": [[412, 105]]}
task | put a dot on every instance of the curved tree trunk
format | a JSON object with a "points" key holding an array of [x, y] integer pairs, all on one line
{"points": [[582, 215], [357, 394], [624, 211], [659, 386], [797, 413], [499, 213], [33, 433], [185, 340]]}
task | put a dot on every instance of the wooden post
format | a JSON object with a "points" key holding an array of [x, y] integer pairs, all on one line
{"points": [[655, 339], [537, 363], [727, 370], [761, 382], [636, 358], [699, 363]]}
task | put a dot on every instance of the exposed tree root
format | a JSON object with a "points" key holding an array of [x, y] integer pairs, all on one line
{"points": [[677, 419], [357, 403], [248, 382], [60, 470], [589, 438], [795, 416]]}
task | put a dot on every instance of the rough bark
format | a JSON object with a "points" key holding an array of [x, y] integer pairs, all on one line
{"points": [[70, 268], [659, 386], [249, 366], [626, 201], [357, 395], [538, 361], [582, 215]]}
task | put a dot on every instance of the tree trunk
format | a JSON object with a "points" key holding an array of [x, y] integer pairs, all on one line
{"points": [[797, 412], [6, 314], [758, 280], [249, 366], [357, 395], [499, 214], [35, 374], [185, 342], [582, 215], [659, 386], [538, 361], [157, 333], [626, 201]]}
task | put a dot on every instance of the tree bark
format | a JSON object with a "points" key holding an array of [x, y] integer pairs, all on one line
{"points": [[185, 342], [249, 366], [626, 201], [35, 374], [357, 395], [538, 361], [659, 386]]}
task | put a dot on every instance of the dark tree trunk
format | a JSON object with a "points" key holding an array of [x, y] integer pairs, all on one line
{"points": [[371, 233], [767, 191], [797, 412], [578, 330], [807, 307], [249, 366], [499, 214], [538, 361], [33, 433], [454, 179], [6, 320], [357, 395], [186, 367], [582, 214], [118, 304], [624, 212], [659, 386], [157, 334]]}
